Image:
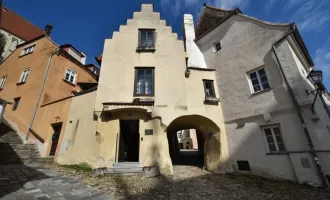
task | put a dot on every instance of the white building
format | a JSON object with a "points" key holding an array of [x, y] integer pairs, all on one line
{"points": [[265, 134]]}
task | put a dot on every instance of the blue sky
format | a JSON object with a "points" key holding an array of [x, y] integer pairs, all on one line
{"points": [[86, 24]]}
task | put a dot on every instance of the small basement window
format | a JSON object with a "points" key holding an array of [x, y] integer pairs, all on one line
{"points": [[16, 102], [217, 46], [243, 166]]}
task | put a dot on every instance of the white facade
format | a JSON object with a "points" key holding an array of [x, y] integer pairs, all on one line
{"points": [[246, 46], [11, 43]]}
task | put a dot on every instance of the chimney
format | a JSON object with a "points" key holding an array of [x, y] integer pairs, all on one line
{"points": [[48, 30], [196, 58]]}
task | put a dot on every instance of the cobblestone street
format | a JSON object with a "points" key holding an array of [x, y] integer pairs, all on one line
{"points": [[191, 183], [29, 182]]}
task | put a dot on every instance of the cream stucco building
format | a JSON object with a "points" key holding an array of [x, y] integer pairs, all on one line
{"points": [[145, 95]]}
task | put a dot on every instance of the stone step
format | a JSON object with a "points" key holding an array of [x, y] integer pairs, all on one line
{"points": [[126, 164]]}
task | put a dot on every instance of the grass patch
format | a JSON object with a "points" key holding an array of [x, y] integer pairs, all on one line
{"points": [[79, 167]]}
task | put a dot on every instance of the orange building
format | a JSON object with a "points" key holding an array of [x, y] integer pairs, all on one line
{"points": [[40, 78]]}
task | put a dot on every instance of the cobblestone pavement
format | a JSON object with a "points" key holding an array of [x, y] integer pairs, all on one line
{"points": [[190, 183], [32, 182]]}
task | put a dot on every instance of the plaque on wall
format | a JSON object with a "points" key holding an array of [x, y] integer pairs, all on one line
{"points": [[149, 132]]}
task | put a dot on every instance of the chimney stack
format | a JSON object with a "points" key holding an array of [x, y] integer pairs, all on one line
{"points": [[48, 30]]}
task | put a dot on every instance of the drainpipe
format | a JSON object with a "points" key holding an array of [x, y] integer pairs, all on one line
{"points": [[40, 93], [299, 112], [324, 104]]}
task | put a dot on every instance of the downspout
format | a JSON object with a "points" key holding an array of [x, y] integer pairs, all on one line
{"points": [[40, 93], [324, 104], [301, 118]]}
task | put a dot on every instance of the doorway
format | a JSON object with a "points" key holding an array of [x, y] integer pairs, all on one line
{"points": [[129, 141], [55, 137]]}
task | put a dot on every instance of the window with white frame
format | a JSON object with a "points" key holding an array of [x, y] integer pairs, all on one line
{"points": [[258, 80], [274, 138], [24, 75], [28, 49], [3, 81], [70, 75], [217, 46]]}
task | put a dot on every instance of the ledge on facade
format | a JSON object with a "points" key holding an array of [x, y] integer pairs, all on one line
{"points": [[128, 104], [25, 54], [277, 153], [69, 82], [200, 69], [260, 92], [211, 101], [36, 135], [20, 83], [145, 49]]}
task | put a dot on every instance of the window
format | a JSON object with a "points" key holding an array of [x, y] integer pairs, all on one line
{"points": [[70, 75], [24, 75], [217, 46], [274, 139], [258, 80], [209, 88], [16, 102], [144, 82], [146, 38], [28, 49], [3, 81], [243, 166]]}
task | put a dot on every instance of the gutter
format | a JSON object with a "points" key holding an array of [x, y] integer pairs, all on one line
{"points": [[40, 93], [299, 112]]}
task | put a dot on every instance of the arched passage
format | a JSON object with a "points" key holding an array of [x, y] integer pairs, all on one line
{"points": [[208, 136]]}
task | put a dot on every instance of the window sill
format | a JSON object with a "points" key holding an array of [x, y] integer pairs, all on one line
{"points": [[262, 91], [211, 101], [20, 83], [277, 153], [25, 55], [68, 82], [145, 49]]}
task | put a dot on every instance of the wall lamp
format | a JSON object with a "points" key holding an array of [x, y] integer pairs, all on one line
{"points": [[315, 77]]}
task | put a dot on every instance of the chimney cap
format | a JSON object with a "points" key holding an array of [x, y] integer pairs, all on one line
{"points": [[204, 4], [48, 29]]}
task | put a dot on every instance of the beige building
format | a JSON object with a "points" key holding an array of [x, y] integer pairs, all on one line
{"points": [[145, 95], [187, 139]]}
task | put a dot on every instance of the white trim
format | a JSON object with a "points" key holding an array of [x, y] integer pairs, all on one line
{"points": [[24, 75], [72, 73], [271, 127], [259, 79], [3, 81], [29, 46]]}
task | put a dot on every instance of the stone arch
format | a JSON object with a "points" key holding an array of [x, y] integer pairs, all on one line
{"points": [[207, 131]]}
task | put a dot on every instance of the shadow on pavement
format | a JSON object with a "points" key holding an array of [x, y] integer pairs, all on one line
{"points": [[14, 174]]}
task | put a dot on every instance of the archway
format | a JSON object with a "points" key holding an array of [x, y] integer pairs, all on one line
{"points": [[208, 139]]}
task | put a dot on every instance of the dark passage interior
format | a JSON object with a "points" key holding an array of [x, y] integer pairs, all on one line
{"points": [[129, 141], [55, 137], [186, 147]]}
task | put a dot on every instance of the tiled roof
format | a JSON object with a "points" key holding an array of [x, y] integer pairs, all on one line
{"points": [[210, 17], [18, 26]]}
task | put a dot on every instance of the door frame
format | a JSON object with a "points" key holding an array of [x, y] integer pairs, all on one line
{"points": [[54, 125], [118, 139]]}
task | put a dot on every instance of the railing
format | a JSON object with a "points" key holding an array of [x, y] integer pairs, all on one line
{"points": [[36, 135]]}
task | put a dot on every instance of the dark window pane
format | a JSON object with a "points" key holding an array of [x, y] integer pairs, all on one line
{"points": [[148, 83], [256, 88], [279, 138], [277, 131], [253, 75], [265, 85], [140, 82], [281, 147], [272, 147], [72, 79], [261, 72], [208, 87], [255, 81], [263, 78]]}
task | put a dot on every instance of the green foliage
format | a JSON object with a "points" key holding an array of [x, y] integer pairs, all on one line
{"points": [[80, 167]]}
